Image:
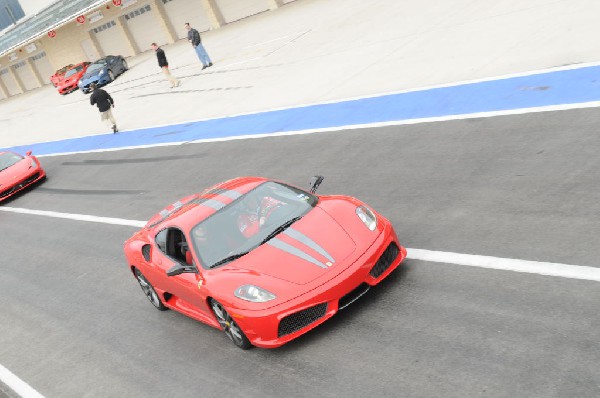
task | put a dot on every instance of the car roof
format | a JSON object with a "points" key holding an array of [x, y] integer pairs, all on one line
{"points": [[189, 211]]}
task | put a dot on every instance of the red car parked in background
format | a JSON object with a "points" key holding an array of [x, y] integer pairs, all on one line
{"points": [[18, 172], [59, 74], [71, 78]]}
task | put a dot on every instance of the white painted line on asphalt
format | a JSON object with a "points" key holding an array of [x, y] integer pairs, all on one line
{"points": [[521, 111], [499, 263], [21, 388], [76, 217], [508, 264]]}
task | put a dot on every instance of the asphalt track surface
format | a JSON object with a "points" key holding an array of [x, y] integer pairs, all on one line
{"points": [[74, 322]]}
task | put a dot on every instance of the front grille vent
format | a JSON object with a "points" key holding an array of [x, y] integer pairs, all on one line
{"points": [[353, 295], [31, 179], [301, 319], [386, 259]]}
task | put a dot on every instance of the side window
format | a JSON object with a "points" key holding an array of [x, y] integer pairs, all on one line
{"points": [[161, 240], [177, 246]]}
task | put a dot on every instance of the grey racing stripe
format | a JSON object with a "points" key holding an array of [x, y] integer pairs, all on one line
{"points": [[225, 192], [215, 204], [281, 245], [300, 237]]}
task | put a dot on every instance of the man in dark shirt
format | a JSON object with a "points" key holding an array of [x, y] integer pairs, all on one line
{"points": [[193, 37], [164, 65], [104, 102]]}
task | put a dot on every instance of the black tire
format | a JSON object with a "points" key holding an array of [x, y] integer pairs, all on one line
{"points": [[149, 291], [111, 75], [229, 326]]}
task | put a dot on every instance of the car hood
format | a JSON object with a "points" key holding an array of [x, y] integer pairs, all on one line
{"points": [[311, 248], [15, 172], [71, 79], [90, 75]]}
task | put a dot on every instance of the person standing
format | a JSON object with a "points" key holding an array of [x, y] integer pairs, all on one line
{"points": [[104, 102], [194, 38], [164, 65]]}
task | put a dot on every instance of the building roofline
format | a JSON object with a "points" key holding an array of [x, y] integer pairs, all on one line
{"points": [[46, 29]]}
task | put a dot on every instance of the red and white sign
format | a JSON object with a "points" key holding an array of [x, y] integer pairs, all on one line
{"points": [[81, 19], [52, 34], [117, 3]]}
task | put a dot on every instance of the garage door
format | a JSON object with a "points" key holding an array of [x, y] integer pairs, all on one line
{"points": [[25, 74], [233, 10], [181, 11], [9, 82], [145, 27], [43, 67], [112, 40]]}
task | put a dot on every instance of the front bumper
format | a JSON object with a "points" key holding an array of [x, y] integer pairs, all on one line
{"points": [[99, 81], [278, 325], [36, 175], [66, 89]]}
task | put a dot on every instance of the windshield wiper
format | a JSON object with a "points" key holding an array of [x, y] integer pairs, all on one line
{"points": [[229, 259], [280, 229]]}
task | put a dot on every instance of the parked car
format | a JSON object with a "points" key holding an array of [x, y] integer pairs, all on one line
{"points": [[262, 260], [59, 74], [71, 78], [103, 71], [18, 172]]}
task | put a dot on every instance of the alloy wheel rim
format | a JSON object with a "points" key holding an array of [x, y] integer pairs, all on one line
{"points": [[148, 290], [231, 329]]}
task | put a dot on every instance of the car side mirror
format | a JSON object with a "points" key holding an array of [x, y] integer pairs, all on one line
{"points": [[179, 269], [314, 183], [28, 153]]}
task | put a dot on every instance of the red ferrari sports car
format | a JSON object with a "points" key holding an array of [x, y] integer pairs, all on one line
{"points": [[262, 260], [69, 81], [18, 172], [59, 74]]}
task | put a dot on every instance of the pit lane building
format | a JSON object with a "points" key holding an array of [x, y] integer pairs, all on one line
{"points": [[72, 31]]}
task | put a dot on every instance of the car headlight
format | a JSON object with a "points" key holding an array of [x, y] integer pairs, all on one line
{"points": [[367, 216], [101, 72], [33, 163], [254, 294]]}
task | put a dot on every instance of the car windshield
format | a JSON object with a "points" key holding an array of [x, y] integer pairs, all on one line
{"points": [[96, 66], [73, 71], [248, 222], [8, 159]]}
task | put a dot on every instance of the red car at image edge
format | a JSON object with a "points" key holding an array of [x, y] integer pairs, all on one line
{"points": [[69, 81], [18, 172], [262, 260]]}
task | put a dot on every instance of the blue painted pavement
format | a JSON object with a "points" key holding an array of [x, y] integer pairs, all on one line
{"points": [[543, 89]]}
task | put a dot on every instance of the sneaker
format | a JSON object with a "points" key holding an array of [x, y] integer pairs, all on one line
{"points": [[178, 83], [115, 129], [209, 64]]}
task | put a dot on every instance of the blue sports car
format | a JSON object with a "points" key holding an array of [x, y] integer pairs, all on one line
{"points": [[102, 72]]}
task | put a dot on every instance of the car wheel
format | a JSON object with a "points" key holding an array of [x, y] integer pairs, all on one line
{"points": [[149, 291], [229, 326], [111, 75]]}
